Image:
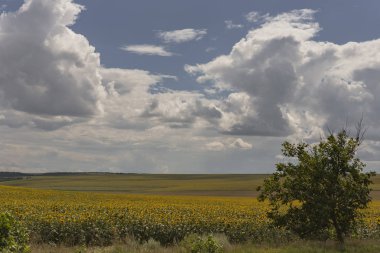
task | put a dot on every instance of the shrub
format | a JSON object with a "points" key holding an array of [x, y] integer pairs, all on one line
{"points": [[89, 232], [198, 244], [13, 236]]}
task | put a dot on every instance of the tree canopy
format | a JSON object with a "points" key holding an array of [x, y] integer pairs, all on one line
{"points": [[320, 189]]}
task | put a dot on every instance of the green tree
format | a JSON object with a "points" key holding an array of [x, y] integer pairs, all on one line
{"points": [[320, 188]]}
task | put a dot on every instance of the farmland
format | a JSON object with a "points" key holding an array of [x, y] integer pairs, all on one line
{"points": [[163, 218], [155, 184], [207, 185], [94, 209]]}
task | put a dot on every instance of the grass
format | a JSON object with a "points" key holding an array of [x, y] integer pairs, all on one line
{"points": [[352, 246], [312, 247]]}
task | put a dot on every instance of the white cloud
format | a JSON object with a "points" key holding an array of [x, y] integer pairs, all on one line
{"points": [[61, 110], [210, 49], [240, 144], [182, 109], [130, 97], [122, 81], [282, 82], [231, 25], [229, 143], [131, 105], [46, 68], [183, 35], [51, 77], [280, 157], [17, 119], [146, 49], [253, 16], [215, 146]]}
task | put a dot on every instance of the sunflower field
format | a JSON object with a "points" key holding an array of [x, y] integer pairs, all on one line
{"points": [[78, 218]]}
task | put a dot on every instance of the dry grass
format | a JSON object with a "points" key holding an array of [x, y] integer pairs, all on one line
{"points": [[353, 246]]}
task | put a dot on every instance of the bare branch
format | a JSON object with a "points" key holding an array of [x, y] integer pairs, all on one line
{"points": [[329, 130], [360, 131]]}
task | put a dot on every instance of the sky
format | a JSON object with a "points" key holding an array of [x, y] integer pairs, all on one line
{"points": [[182, 86]]}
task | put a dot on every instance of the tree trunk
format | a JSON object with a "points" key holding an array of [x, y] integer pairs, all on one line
{"points": [[339, 234], [341, 244]]}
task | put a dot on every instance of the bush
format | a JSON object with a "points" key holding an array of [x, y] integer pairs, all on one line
{"points": [[90, 232], [269, 234], [198, 244], [13, 236]]}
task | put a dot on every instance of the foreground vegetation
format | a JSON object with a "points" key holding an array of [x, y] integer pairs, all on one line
{"points": [[97, 219], [354, 246], [319, 188]]}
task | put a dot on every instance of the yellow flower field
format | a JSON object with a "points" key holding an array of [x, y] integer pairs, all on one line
{"points": [[75, 218]]}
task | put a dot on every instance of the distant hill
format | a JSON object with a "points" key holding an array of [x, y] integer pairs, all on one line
{"points": [[6, 176]]}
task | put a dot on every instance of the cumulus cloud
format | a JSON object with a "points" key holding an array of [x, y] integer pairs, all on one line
{"points": [[252, 16], [231, 25], [183, 35], [146, 49], [46, 68], [119, 82], [277, 81], [215, 146], [132, 105], [51, 77], [280, 81], [129, 95], [182, 109], [210, 49], [240, 144], [17, 119], [225, 144]]}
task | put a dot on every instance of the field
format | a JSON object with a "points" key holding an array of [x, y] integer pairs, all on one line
{"points": [[156, 184], [207, 185], [93, 209]]}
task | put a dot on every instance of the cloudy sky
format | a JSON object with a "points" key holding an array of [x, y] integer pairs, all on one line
{"points": [[182, 86]]}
